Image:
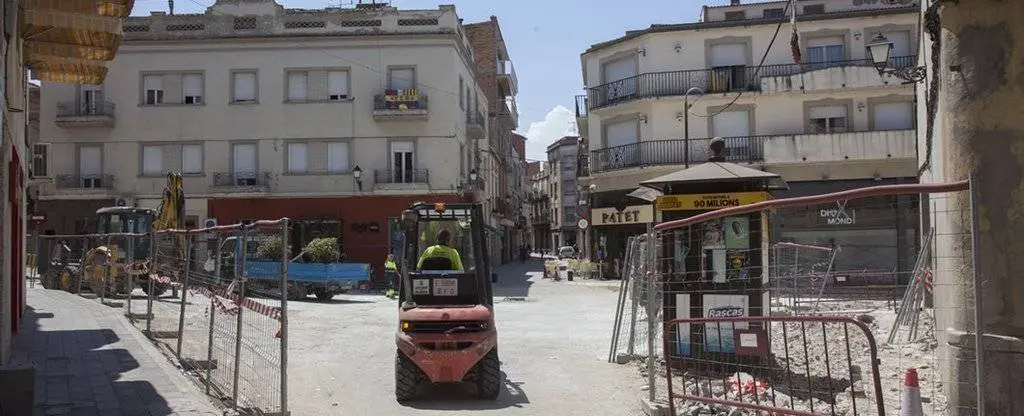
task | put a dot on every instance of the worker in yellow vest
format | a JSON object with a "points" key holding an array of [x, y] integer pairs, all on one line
{"points": [[391, 273]]}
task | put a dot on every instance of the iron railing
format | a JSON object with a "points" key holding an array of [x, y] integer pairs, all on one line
{"points": [[401, 176], [401, 103], [713, 80], [102, 181], [506, 69], [673, 152], [236, 179], [581, 106], [87, 109]]}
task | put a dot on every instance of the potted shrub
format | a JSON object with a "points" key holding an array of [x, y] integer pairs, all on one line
{"points": [[323, 250]]}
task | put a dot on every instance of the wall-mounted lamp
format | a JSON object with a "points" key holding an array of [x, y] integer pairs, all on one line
{"points": [[357, 174], [857, 35], [860, 107], [678, 46], [642, 118], [472, 176], [879, 50]]}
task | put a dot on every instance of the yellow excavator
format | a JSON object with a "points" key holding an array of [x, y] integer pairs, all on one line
{"points": [[108, 260]]}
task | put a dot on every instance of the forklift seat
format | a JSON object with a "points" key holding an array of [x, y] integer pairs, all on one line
{"points": [[437, 263]]}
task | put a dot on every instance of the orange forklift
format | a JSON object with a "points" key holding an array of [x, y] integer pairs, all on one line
{"points": [[446, 330]]}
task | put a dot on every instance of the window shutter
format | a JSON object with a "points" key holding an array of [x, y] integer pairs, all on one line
{"points": [[192, 158], [337, 157], [297, 157], [245, 87], [297, 86], [337, 85], [192, 88], [152, 160]]}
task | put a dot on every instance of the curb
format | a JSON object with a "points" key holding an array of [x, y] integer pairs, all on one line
{"points": [[653, 408]]}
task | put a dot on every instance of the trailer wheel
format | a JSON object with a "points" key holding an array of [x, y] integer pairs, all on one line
{"points": [[407, 377], [158, 288], [488, 376], [323, 294]]}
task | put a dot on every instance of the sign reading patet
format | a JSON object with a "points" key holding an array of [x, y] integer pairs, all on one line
{"points": [[634, 214], [703, 202]]}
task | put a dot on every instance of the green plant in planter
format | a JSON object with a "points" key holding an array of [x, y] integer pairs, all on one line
{"points": [[270, 249], [323, 250]]}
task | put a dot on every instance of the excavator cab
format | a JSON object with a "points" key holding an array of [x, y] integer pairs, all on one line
{"points": [[446, 330], [112, 220]]}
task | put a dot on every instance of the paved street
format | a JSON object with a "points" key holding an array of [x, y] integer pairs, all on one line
{"points": [[90, 361], [553, 349]]}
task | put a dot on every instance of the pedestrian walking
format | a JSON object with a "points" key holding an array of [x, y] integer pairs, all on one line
{"points": [[391, 274]]}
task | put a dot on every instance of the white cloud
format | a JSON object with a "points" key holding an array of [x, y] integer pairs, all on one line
{"points": [[559, 122]]}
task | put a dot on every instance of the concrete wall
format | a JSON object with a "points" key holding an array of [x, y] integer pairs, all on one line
{"points": [[979, 132]]}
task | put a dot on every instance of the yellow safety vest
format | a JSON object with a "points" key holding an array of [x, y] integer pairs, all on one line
{"points": [[443, 252], [390, 265]]}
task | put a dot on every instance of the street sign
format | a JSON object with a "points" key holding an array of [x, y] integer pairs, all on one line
{"points": [[583, 224]]}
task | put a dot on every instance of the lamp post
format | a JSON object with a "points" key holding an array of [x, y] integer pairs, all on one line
{"points": [[879, 49], [357, 174], [686, 124]]}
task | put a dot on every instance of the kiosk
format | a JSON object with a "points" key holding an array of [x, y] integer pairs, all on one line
{"points": [[715, 268]]}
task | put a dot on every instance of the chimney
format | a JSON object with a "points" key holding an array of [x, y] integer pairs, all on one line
{"points": [[734, 2]]}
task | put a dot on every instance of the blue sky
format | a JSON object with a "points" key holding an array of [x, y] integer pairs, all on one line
{"points": [[544, 38]]}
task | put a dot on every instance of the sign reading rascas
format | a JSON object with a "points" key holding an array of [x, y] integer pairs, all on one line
{"points": [[705, 202], [634, 214]]}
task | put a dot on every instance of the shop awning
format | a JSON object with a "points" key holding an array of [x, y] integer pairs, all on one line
{"points": [[716, 172], [69, 40]]}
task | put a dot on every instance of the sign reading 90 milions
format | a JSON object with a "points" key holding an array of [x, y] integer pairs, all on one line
{"points": [[704, 202]]}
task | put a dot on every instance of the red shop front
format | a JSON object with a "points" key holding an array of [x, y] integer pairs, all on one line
{"points": [[363, 221]]}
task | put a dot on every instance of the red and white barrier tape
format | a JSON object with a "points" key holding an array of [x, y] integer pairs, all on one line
{"points": [[228, 302], [925, 276]]}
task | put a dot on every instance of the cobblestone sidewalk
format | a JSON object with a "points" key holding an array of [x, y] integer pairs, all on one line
{"points": [[90, 361]]}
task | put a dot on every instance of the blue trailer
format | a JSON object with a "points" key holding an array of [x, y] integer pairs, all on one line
{"points": [[304, 277]]}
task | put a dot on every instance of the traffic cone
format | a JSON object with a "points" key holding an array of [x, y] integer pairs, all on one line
{"points": [[910, 402]]}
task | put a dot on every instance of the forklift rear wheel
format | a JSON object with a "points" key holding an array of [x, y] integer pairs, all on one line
{"points": [[407, 377], [69, 279], [488, 376]]}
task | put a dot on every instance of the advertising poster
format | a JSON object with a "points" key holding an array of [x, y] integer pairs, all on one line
{"points": [[683, 330], [713, 255], [737, 264], [737, 233], [719, 337]]}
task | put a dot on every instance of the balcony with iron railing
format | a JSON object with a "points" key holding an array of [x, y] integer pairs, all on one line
{"points": [[476, 124], [581, 106], [411, 176], [84, 182], [407, 104], [85, 114], [840, 147], [231, 181], [507, 77], [733, 79]]}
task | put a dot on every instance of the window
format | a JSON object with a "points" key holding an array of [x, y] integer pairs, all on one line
{"points": [[814, 9], [774, 13], [402, 162], [337, 85], [192, 88], [401, 78], [297, 158], [822, 52], [154, 88], [736, 15], [243, 160], [40, 160], [90, 166], [828, 119], [152, 160], [462, 102], [893, 116], [297, 86], [337, 157], [243, 87], [192, 159]]}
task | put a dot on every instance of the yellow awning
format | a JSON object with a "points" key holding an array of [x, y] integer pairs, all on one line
{"points": [[110, 8], [72, 29], [70, 71], [44, 51]]}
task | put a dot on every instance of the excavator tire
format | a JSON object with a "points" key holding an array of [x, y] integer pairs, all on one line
{"points": [[67, 280], [407, 377], [488, 376]]}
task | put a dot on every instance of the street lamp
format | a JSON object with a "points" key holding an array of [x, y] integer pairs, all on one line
{"points": [[357, 174], [686, 124], [879, 50]]}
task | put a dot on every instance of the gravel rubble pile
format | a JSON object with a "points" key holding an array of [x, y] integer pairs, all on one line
{"points": [[829, 378]]}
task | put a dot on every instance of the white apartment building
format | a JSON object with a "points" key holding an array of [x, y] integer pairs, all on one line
{"points": [[337, 118], [565, 207], [823, 118]]}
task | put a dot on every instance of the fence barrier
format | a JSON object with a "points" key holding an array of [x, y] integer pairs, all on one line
{"points": [[213, 297], [830, 267]]}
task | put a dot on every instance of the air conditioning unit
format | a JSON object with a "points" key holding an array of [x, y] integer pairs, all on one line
{"points": [[209, 223], [124, 202]]}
